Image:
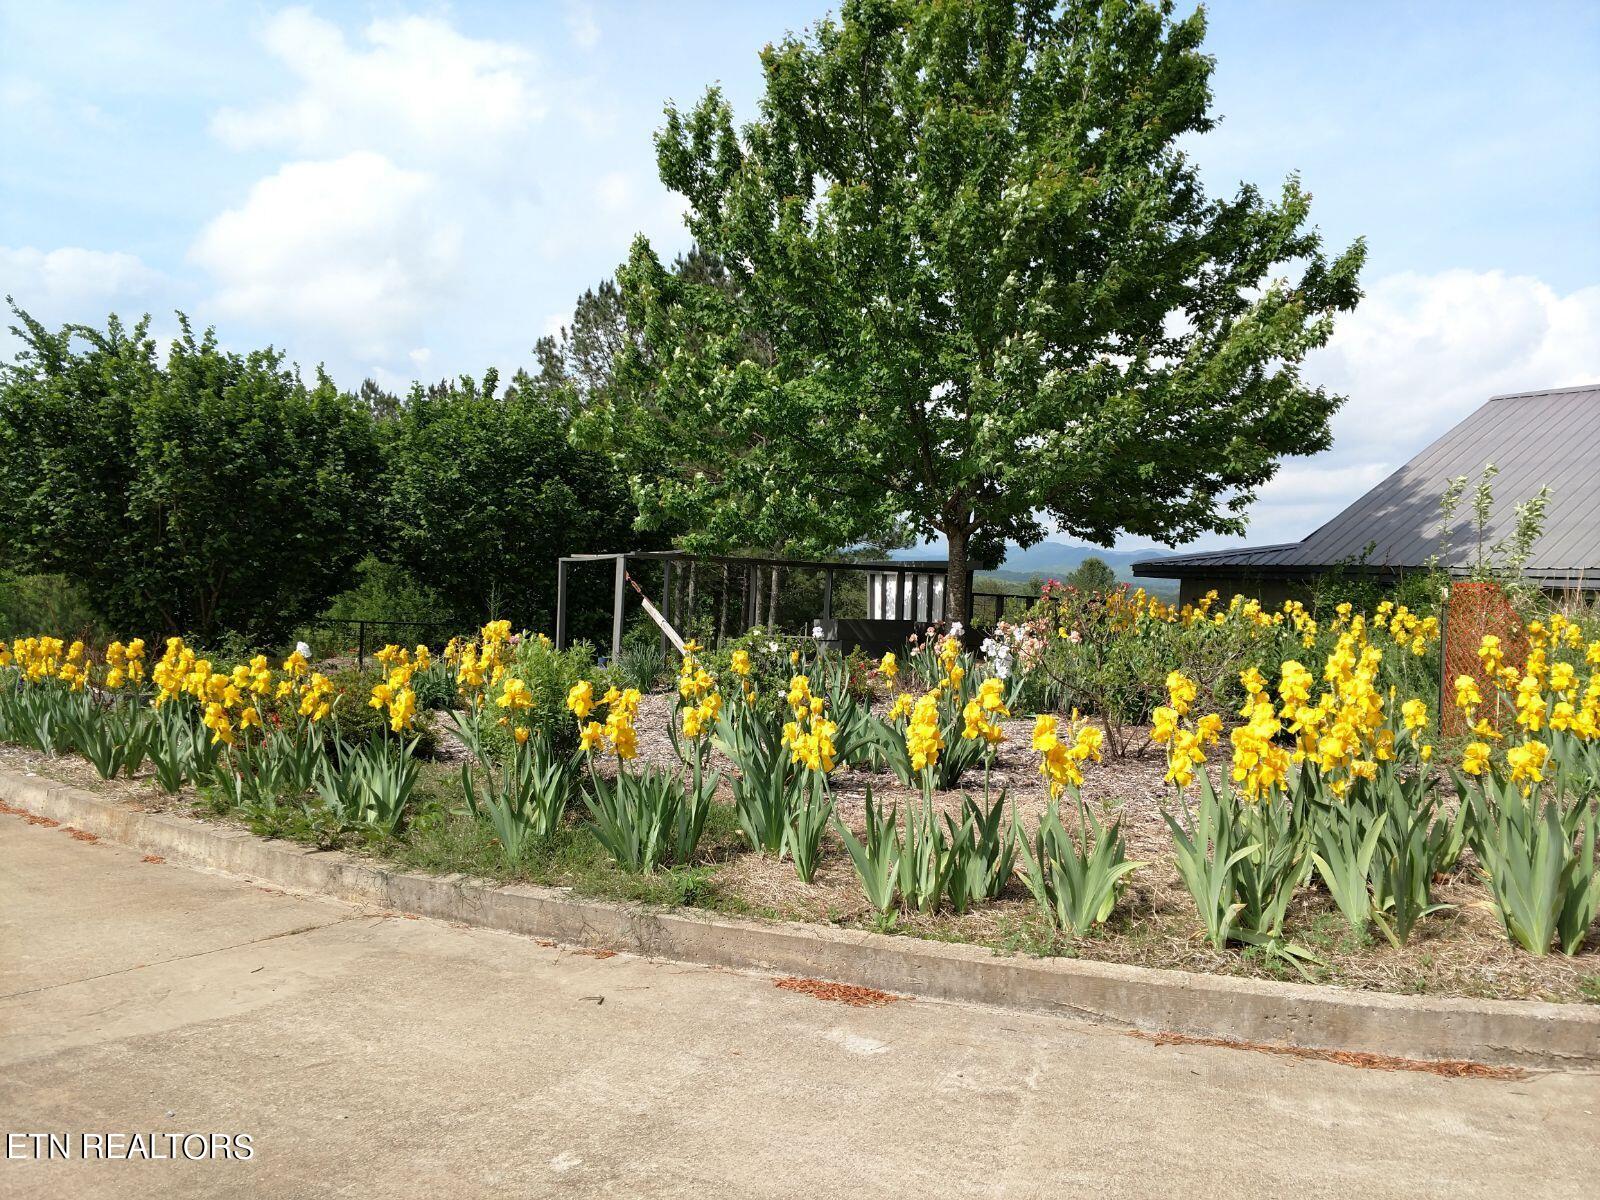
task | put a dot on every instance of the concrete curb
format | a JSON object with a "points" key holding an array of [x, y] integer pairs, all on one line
{"points": [[1497, 1032]]}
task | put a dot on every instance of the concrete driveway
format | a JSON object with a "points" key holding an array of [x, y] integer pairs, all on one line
{"points": [[369, 1055]]}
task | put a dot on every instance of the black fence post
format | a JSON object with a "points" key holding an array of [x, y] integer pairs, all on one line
{"points": [[561, 604], [361, 644], [666, 603]]}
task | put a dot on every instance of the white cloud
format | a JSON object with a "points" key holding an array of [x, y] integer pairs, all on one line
{"points": [[354, 245], [69, 283], [581, 25], [1422, 351], [415, 89], [1418, 355]]}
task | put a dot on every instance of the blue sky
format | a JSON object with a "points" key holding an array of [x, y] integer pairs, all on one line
{"points": [[413, 191]]}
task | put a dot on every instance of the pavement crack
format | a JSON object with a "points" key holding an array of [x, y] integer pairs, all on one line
{"points": [[161, 962]]}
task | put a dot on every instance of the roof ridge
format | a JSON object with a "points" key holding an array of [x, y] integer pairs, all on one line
{"points": [[1555, 391]]}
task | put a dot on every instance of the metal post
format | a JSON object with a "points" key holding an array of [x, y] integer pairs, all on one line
{"points": [[361, 644], [561, 604], [827, 594], [618, 596], [966, 616], [722, 607], [666, 602]]}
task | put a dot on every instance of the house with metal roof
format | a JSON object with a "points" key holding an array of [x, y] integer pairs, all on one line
{"points": [[1536, 439]]}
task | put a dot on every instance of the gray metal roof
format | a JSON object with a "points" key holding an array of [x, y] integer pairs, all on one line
{"points": [[1537, 439]]}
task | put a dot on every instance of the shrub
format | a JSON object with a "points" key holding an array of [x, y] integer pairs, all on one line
{"points": [[769, 658], [383, 591], [549, 674], [359, 723], [200, 489], [31, 604]]}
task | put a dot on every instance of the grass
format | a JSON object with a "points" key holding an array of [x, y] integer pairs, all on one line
{"points": [[445, 840]]}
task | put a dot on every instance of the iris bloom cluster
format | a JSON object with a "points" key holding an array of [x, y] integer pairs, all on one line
{"points": [[394, 695], [809, 735], [247, 697], [1185, 738], [1544, 705], [1061, 758], [622, 710], [699, 702]]}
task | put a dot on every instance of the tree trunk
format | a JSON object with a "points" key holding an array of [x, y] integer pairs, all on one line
{"points": [[956, 599], [772, 601]]}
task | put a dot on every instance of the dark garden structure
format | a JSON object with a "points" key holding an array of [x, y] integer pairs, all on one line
{"points": [[847, 604]]}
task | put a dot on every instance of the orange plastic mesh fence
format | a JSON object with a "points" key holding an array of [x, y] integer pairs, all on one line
{"points": [[1476, 609]]}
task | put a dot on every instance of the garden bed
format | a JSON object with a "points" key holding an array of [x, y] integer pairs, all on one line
{"points": [[1459, 952]]}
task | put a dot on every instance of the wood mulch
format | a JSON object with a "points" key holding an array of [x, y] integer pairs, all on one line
{"points": [[1450, 1068], [838, 993]]}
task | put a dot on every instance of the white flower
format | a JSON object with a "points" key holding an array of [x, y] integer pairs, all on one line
{"points": [[303, 650]]}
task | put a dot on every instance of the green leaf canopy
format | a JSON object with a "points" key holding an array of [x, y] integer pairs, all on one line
{"points": [[970, 286]]}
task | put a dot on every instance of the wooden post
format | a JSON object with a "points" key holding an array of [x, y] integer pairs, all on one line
{"points": [[900, 596], [966, 617], [772, 601], [561, 604], [619, 594]]}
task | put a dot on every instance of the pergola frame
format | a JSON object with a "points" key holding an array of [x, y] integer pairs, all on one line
{"points": [[914, 570]]}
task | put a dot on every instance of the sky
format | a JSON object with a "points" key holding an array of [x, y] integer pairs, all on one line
{"points": [[415, 191]]}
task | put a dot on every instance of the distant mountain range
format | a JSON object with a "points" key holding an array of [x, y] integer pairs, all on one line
{"points": [[1050, 559]]}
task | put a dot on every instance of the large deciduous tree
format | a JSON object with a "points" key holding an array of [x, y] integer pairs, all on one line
{"points": [[211, 492], [973, 288], [485, 492]]}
